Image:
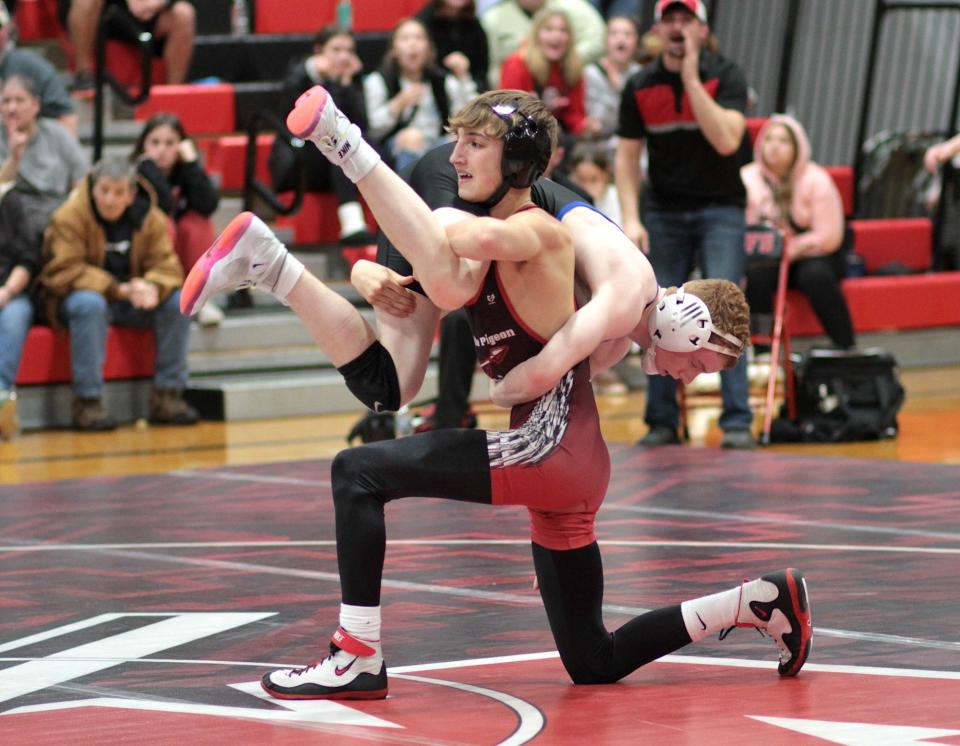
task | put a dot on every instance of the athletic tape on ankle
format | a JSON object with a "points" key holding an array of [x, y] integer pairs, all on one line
{"points": [[360, 161], [350, 644]]}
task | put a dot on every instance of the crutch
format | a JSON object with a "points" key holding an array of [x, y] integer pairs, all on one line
{"points": [[779, 311]]}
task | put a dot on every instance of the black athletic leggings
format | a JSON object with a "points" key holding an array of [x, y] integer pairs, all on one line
{"points": [[453, 464], [819, 279]]}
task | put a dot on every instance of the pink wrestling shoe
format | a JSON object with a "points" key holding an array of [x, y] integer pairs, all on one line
{"points": [[316, 118], [246, 254], [353, 670], [778, 606]]}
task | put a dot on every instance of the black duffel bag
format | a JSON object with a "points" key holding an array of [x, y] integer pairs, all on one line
{"points": [[847, 396]]}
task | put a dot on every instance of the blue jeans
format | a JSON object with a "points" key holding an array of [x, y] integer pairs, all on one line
{"points": [[678, 239], [15, 320], [87, 314]]}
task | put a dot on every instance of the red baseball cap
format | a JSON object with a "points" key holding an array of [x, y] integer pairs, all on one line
{"points": [[694, 6]]}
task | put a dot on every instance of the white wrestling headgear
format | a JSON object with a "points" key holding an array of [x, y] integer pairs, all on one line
{"points": [[682, 323]]}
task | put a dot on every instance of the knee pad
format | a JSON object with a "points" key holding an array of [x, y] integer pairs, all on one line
{"points": [[372, 378]]}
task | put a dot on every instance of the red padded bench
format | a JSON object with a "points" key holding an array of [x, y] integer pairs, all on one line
{"points": [[843, 177], [285, 17], [204, 109], [130, 353], [908, 241], [227, 157], [887, 303], [37, 19], [316, 221]]}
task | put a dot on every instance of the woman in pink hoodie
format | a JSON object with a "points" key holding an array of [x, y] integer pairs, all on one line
{"points": [[788, 190]]}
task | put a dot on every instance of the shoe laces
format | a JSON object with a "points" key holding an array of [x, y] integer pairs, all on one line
{"points": [[725, 632], [319, 662]]}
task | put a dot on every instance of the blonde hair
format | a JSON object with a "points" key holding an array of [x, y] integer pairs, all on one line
{"points": [[728, 309], [571, 65], [782, 189], [478, 114]]}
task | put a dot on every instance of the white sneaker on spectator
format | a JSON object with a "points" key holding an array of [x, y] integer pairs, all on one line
{"points": [[210, 315]]}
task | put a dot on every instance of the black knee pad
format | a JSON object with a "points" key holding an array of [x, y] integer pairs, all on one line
{"points": [[372, 378]]}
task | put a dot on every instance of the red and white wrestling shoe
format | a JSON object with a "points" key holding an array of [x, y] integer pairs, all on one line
{"points": [[353, 670], [316, 118], [246, 254], [778, 606]]}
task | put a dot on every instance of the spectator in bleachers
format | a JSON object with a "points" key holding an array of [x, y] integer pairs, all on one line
{"points": [[786, 189], [941, 153], [334, 65], [593, 172], [41, 157], [548, 65], [458, 37], [55, 102], [109, 260], [169, 160], [508, 25], [604, 79], [410, 98], [19, 264], [172, 23], [687, 108]]}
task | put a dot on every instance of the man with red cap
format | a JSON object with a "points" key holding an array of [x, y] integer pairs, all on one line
{"points": [[687, 107]]}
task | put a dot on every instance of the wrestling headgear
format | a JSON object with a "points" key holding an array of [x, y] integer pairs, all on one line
{"points": [[526, 151], [682, 323]]}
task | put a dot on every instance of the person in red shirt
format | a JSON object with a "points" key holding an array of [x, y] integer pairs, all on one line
{"points": [[548, 65]]}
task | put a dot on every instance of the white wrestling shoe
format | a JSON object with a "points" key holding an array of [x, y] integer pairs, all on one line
{"points": [[246, 254], [778, 606], [316, 118], [353, 670]]}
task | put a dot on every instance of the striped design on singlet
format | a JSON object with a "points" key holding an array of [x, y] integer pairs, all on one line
{"points": [[536, 438]]}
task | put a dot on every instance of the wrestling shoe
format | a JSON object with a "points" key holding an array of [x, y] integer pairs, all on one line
{"points": [[353, 670], [778, 606], [246, 254], [316, 118]]}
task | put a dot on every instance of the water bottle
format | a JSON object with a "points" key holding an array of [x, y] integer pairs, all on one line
{"points": [[239, 18], [403, 422], [344, 14]]}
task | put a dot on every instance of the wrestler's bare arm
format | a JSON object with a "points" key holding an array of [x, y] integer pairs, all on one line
{"points": [[518, 238], [421, 236], [622, 283]]}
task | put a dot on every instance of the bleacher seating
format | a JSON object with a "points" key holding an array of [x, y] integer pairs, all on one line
{"points": [[884, 242], [284, 17], [887, 304], [130, 353], [843, 177], [37, 19], [204, 109], [317, 221], [245, 73]]}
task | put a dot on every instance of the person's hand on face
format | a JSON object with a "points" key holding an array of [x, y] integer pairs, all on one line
{"points": [[17, 140], [691, 51], [457, 63], [187, 151]]}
